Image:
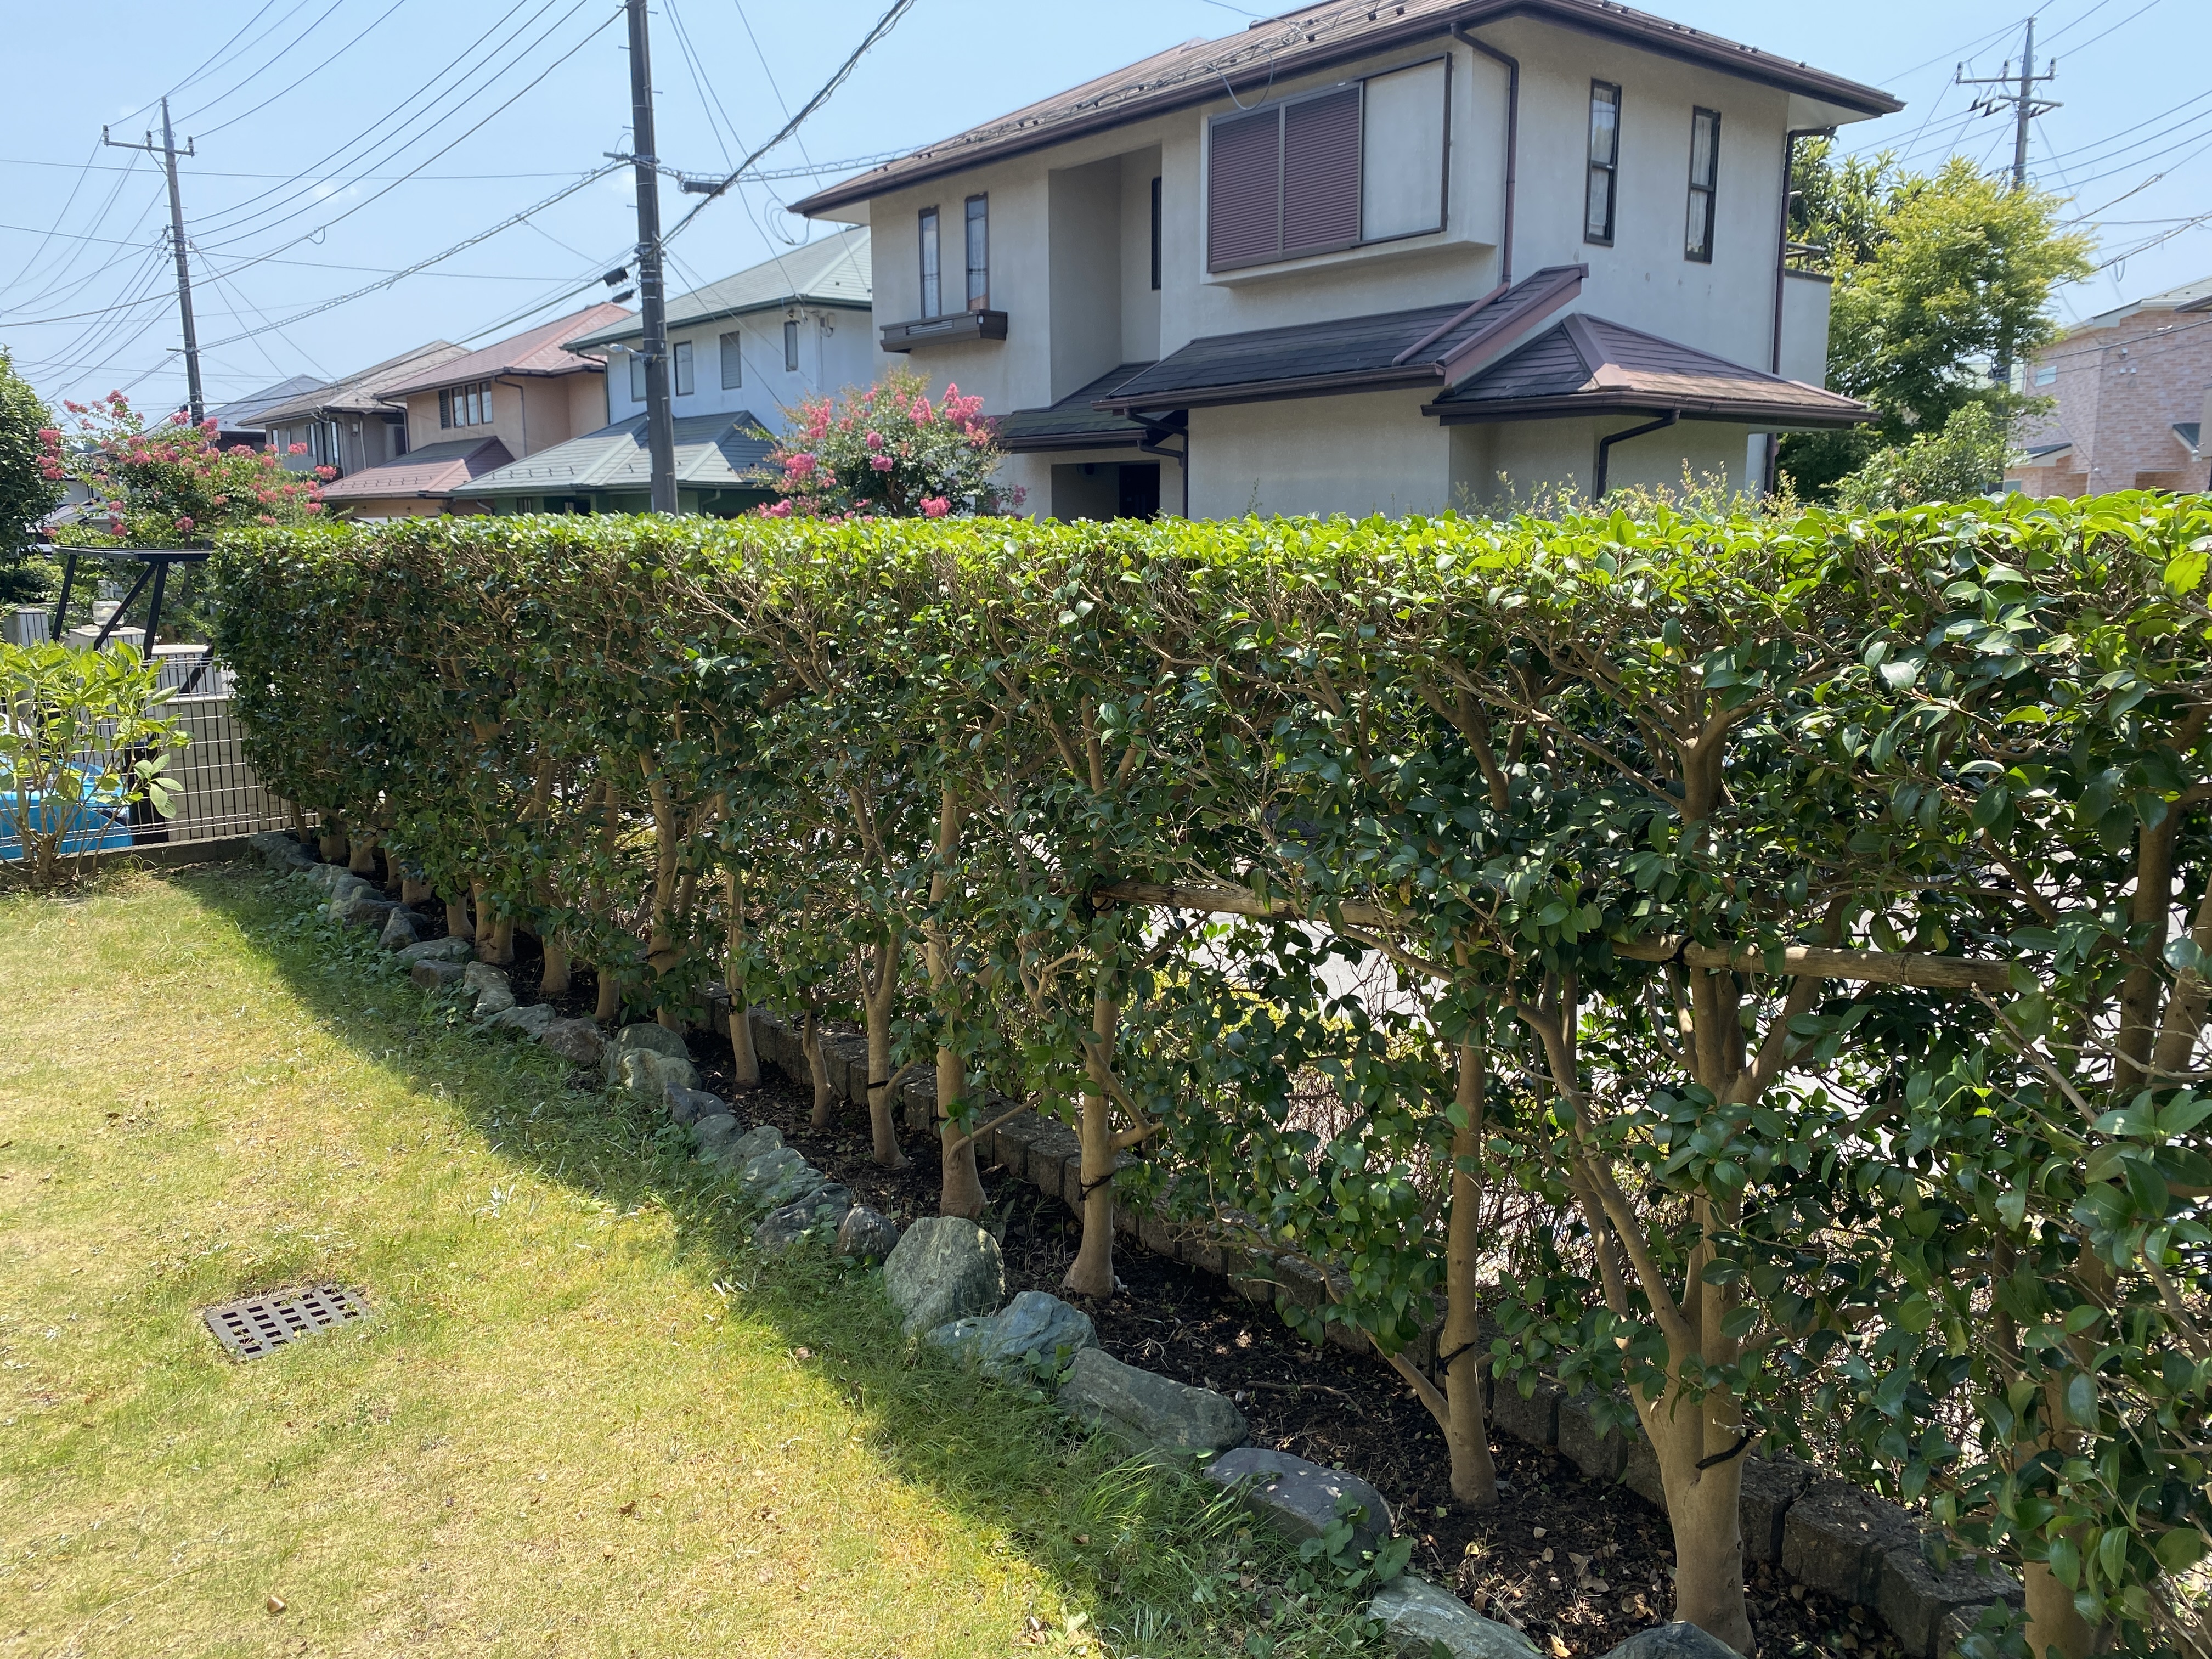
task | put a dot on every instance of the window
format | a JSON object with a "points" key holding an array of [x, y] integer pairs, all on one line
{"points": [[733, 360], [445, 408], [1156, 235], [790, 347], [2046, 374], [933, 287], [979, 253], [1604, 163], [1704, 174], [1359, 162], [683, 351], [637, 377]]}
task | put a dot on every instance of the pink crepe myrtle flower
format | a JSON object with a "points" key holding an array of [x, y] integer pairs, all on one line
{"points": [[882, 463], [297, 449], [184, 523], [874, 440], [935, 507]]}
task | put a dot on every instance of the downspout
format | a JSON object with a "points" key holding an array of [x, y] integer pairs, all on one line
{"points": [[1512, 142], [1781, 269], [1605, 447]]}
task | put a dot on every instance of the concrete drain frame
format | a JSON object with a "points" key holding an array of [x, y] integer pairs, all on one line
{"points": [[256, 1325]]}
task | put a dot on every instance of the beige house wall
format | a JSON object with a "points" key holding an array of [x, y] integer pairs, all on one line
{"points": [[529, 413], [2119, 392]]}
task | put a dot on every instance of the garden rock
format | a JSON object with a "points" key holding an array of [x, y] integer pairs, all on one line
{"points": [[751, 1145], [649, 1076], [643, 1038], [773, 1179], [1535, 1419], [1145, 1411], [401, 929], [1036, 1335], [1421, 1619], [1680, 1640], [944, 1268], [691, 1105], [493, 993], [576, 1041], [529, 1021], [438, 950], [362, 908], [1602, 1454], [431, 973], [1297, 1500], [867, 1234], [713, 1135], [819, 1214]]}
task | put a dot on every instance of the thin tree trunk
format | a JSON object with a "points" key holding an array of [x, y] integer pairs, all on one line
{"points": [[1091, 1273], [960, 1183], [414, 891], [879, 996], [331, 844], [610, 1003], [362, 858], [1474, 1476], [553, 982], [457, 919], [810, 1044], [745, 1061]]}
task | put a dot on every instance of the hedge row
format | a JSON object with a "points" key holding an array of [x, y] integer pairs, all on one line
{"points": [[1773, 952]]}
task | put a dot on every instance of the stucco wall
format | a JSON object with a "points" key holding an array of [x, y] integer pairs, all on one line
{"points": [[1495, 468], [1376, 452], [1805, 299]]}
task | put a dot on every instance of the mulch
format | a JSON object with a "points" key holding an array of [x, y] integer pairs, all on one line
{"points": [[1579, 1565]]}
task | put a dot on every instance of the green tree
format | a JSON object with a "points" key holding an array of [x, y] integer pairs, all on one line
{"points": [[1966, 459], [28, 489], [1933, 275]]}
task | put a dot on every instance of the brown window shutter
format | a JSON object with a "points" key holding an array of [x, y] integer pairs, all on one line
{"points": [[1244, 222], [1321, 172]]}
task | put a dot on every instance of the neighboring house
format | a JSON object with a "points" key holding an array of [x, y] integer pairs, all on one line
{"points": [[609, 472], [1394, 257], [468, 415], [343, 425], [794, 325], [239, 423], [2132, 391]]}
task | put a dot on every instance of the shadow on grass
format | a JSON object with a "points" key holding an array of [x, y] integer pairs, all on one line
{"points": [[1159, 1561]]}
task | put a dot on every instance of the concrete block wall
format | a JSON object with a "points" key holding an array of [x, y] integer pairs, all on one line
{"points": [[1820, 1530]]}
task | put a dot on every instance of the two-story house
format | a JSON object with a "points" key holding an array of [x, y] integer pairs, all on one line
{"points": [[473, 412], [741, 352], [1365, 257], [2131, 400], [346, 425]]}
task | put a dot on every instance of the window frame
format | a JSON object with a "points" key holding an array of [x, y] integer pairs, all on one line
{"points": [[445, 408], [732, 345], [681, 379], [1442, 227], [637, 392], [791, 345], [974, 212], [1701, 251], [929, 231], [1609, 169], [1156, 233]]}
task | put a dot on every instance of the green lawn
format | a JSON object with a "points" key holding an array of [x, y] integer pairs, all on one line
{"points": [[584, 1420]]}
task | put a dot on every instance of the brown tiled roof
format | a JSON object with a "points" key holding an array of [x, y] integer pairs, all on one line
{"points": [[541, 351], [434, 470], [1421, 348], [1304, 42], [1583, 364], [358, 393]]}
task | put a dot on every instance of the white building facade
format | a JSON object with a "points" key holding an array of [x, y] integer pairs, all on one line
{"points": [[1334, 265]]}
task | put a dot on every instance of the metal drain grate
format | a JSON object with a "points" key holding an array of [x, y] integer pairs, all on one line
{"points": [[257, 1325]]}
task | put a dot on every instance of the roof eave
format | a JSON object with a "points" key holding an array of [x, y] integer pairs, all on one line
{"points": [[1268, 392], [841, 302], [1764, 70], [1775, 418]]}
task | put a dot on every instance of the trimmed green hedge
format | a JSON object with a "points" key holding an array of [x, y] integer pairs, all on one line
{"points": [[1784, 940]]}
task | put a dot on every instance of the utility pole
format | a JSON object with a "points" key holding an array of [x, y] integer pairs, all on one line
{"points": [[168, 152], [2019, 93], [659, 417]]}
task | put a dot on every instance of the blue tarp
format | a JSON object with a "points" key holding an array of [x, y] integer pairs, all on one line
{"points": [[91, 827]]}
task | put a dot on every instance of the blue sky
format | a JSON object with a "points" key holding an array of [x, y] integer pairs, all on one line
{"points": [[339, 141]]}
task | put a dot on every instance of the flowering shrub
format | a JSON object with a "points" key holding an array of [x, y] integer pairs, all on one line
{"points": [[887, 452], [170, 485]]}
